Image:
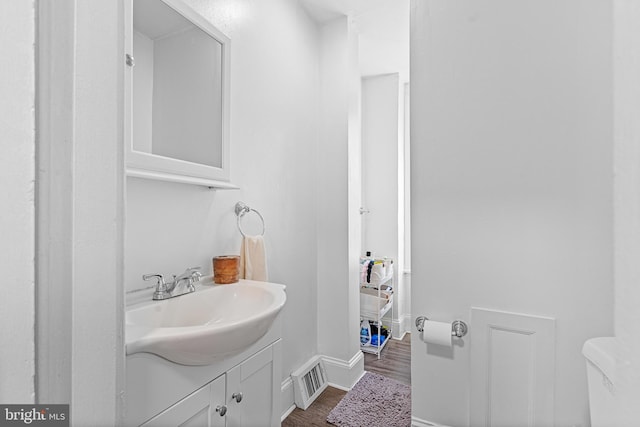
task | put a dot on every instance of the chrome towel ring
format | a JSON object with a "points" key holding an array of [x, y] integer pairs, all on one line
{"points": [[241, 210]]}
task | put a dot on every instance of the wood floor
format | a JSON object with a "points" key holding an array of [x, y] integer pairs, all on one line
{"points": [[316, 414], [395, 363]]}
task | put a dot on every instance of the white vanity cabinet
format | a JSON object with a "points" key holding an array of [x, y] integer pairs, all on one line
{"points": [[258, 403], [196, 410], [247, 385]]}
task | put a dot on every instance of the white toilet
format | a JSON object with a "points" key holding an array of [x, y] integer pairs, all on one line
{"points": [[601, 369]]}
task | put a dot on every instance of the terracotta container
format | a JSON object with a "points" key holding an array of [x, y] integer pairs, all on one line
{"points": [[226, 269]]}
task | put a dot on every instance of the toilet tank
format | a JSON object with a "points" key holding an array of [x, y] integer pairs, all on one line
{"points": [[601, 355]]}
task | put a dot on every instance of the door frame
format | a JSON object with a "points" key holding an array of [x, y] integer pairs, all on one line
{"points": [[80, 209]]}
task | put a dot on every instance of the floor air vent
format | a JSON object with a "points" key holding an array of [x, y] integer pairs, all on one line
{"points": [[308, 382]]}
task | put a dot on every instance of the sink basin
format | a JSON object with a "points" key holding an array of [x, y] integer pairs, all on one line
{"points": [[200, 327]]}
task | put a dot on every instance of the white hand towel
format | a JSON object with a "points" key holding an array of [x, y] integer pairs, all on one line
{"points": [[253, 259]]}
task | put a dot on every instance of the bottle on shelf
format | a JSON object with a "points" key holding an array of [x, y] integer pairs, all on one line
{"points": [[366, 263], [365, 332]]}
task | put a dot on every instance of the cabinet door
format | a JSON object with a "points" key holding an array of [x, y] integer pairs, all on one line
{"points": [[196, 410], [218, 409], [258, 380]]}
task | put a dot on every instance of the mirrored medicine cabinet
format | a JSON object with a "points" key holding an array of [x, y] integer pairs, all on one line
{"points": [[176, 95]]}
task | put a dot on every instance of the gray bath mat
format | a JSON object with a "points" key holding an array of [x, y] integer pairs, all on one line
{"points": [[375, 401]]}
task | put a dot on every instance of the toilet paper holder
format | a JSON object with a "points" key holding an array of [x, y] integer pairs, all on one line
{"points": [[458, 327]]}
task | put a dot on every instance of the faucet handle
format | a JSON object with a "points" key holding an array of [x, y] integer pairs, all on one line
{"points": [[160, 279], [161, 291], [194, 273]]}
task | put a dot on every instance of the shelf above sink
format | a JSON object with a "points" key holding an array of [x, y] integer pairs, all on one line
{"points": [[182, 179]]}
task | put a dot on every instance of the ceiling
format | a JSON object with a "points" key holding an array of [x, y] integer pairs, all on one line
{"points": [[155, 19], [383, 28]]}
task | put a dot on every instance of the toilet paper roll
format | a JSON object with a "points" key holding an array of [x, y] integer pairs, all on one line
{"points": [[437, 333]]}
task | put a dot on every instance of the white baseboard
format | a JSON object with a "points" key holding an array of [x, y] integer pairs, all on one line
{"points": [[407, 323], [344, 374], [401, 325], [339, 387], [288, 404], [287, 413], [399, 338], [417, 422], [397, 327]]}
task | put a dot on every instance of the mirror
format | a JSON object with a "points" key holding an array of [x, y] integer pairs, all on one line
{"points": [[178, 94]]}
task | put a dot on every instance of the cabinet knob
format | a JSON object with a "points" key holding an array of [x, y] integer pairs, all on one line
{"points": [[222, 410], [237, 396]]}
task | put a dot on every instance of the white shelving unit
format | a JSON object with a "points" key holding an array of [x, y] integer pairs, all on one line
{"points": [[375, 304]]}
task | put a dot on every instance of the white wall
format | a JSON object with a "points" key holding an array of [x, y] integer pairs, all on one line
{"points": [[98, 216], [511, 157], [627, 203], [274, 132], [407, 206], [380, 112], [80, 209], [338, 191], [354, 193], [383, 177], [17, 173]]}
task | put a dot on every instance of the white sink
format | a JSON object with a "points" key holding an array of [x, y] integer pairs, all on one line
{"points": [[200, 327]]}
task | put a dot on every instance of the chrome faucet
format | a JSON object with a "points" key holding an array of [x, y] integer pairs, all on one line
{"points": [[191, 275], [166, 290], [161, 291]]}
